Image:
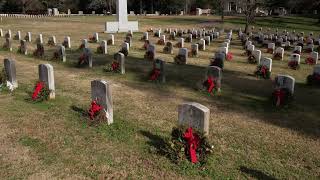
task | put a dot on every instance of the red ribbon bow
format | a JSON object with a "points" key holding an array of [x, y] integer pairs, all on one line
{"points": [[211, 84], [95, 108], [310, 61], [264, 71], [37, 90], [229, 56], [193, 143], [155, 74], [115, 66], [279, 93]]}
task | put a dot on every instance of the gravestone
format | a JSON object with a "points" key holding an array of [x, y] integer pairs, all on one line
{"points": [[194, 115], [8, 34], [216, 73], [162, 40], [88, 54], [297, 49], [84, 44], [257, 55], [122, 24], [182, 56], [279, 53], [207, 40], [202, 45], [39, 52], [39, 40], [295, 57], [160, 65], [266, 62], [125, 48], [103, 48], [52, 41], [315, 56], [10, 69], [120, 58], [94, 38], [67, 42], [46, 75], [180, 43], [23, 47], [189, 38], [151, 52], [145, 36], [129, 40], [111, 40], [1, 33], [101, 92], [250, 49], [271, 47], [18, 36], [168, 49], [28, 37], [194, 50], [285, 81], [60, 54]]}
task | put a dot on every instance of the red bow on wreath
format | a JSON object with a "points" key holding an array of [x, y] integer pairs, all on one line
{"points": [[37, 90], [115, 66], [95, 108], [280, 94], [310, 60], [155, 74], [229, 56], [211, 84], [264, 71], [193, 143]]}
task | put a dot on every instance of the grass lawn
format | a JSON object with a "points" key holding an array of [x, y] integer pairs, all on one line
{"points": [[251, 139]]}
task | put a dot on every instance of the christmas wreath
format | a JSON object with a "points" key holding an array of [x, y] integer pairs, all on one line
{"points": [[229, 56], [180, 59], [155, 74], [200, 46], [296, 52], [65, 44], [270, 50], [193, 53], [313, 79], [41, 92], [146, 45], [252, 59], [211, 85], [248, 53], [149, 56], [281, 97], [293, 65], [166, 49], [187, 144], [277, 56], [161, 42], [83, 60], [39, 52], [188, 39], [51, 43], [310, 61], [99, 50], [113, 67], [109, 42], [97, 114], [124, 51], [81, 46], [263, 72], [26, 38], [172, 37], [179, 45], [92, 39]]}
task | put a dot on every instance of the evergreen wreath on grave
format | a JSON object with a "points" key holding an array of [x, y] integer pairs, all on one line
{"points": [[16, 37], [217, 62], [113, 67], [210, 85], [180, 59], [188, 39], [293, 65], [313, 79], [179, 45], [65, 44], [310, 61], [92, 39], [41, 92], [248, 53], [83, 60], [172, 37], [187, 144], [287, 47], [150, 30], [281, 97], [39, 52], [99, 49], [26, 38], [109, 42], [51, 42], [149, 56], [155, 74], [270, 50], [56, 55], [96, 114], [263, 72], [308, 50], [296, 52], [200, 46], [124, 51], [277, 56], [161, 42], [146, 44], [252, 59], [193, 53], [81, 46], [229, 56]]}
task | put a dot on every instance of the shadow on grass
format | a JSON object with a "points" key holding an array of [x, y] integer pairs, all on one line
{"points": [[255, 173]]}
